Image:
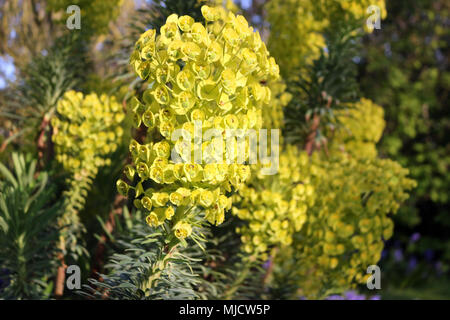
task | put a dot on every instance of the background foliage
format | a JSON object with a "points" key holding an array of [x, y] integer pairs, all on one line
{"points": [[405, 69]]}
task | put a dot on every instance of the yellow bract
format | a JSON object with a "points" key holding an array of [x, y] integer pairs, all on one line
{"points": [[86, 130], [276, 206], [359, 129], [214, 72], [346, 226]]}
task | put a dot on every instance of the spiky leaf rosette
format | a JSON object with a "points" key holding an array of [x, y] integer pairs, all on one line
{"points": [[28, 232], [141, 267], [320, 89]]}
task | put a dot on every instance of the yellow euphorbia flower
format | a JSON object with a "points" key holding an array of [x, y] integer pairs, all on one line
{"points": [[215, 72], [86, 130]]}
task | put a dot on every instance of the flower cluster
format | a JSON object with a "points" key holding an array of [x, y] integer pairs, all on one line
{"points": [[300, 25], [359, 129], [274, 207], [346, 227], [294, 26], [85, 130], [212, 73], [273, 117], [228, 5]]}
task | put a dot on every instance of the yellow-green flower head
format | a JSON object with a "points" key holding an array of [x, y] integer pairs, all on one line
{"points": [[279, 98], [275, 207], [295, 33], [215, 71], [359, 128], [182, 230], [229, 5], [346, 226], [86, 129]]}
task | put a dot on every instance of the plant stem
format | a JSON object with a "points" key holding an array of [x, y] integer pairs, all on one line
{"points": [[61, 273], [309, 146]]}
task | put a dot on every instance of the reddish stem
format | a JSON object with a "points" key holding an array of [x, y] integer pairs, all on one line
{"points": [[309, 146]]}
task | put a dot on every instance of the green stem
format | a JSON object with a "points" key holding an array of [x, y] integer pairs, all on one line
{"points": [[157, 269]]}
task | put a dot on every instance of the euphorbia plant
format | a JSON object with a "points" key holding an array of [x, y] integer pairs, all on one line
{"points": [[214, 73]]}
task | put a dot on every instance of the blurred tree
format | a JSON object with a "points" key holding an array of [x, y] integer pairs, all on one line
{"points": [[26, 30]]}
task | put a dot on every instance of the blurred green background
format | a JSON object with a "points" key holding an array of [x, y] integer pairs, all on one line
{"points": [[405, 70]]}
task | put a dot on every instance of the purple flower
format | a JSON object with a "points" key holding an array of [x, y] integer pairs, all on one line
{"points": [[438, 267], [335, 297], [415, 237], [412, 264], [353, 295], [398, 255], [267, 264]]}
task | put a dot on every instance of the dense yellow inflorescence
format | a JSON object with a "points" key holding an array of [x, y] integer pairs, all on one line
{"points": [[86, 130], [359, 128], [345, 228], [329, 214], [297, 27], [273, 117], [228, 5], [355, 192], [214, 73], [295, 34], [274, 207]]}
